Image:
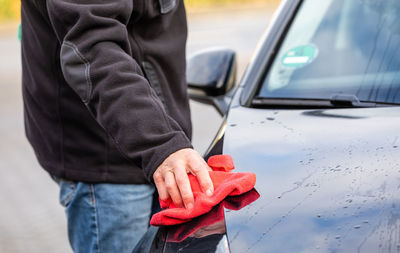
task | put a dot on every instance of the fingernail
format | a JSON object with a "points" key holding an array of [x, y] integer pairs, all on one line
{"points": [[190, 206], [209, 192]]}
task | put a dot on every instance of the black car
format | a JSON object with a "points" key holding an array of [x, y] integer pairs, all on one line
{"points": [[316, 117]]}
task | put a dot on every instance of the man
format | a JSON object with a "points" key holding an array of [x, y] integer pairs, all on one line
{"points": [[106, 111]]}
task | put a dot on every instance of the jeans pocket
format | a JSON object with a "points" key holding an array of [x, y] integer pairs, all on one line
{"points": [[67, 191]]}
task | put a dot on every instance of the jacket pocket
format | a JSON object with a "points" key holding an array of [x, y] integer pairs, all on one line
{"points": [[76, 70], [167, 5], [156, 8], [152, 77]]}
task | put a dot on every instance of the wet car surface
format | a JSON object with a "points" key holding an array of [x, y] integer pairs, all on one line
{"points": [[329, 180]]}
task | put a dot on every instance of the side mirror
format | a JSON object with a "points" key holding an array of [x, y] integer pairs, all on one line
{"points": [[211, 76]]}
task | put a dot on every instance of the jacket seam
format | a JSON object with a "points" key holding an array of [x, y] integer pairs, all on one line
{"points": [[87, 70]]}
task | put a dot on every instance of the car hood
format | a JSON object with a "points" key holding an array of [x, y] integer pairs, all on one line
{"points": [[329, 180]]}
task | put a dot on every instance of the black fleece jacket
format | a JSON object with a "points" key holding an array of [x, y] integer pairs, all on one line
{"points": [[104, 86]]}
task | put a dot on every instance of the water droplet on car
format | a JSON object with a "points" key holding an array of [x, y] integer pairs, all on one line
{"points": [[318, 215], [337, 237], [365, 221], [270, 118], [357, 226], [394, 146], [232, 125]]}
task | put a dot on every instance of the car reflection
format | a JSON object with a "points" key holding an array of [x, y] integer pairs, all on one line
{"points": [[206, 233]]}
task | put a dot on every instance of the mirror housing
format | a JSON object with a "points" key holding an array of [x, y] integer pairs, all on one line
{"points": [[211, 75]]}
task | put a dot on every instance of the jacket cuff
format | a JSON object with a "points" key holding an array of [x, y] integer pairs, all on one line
{"points": [[179, 142]]}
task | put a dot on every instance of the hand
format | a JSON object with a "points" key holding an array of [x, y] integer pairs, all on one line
{"points": [[172, 180]]}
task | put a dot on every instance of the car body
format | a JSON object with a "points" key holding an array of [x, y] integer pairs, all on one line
{"points": [[327, 162]]}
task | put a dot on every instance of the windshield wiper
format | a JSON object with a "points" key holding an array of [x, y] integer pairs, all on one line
{"points": [[345, 100], [336, 101]]}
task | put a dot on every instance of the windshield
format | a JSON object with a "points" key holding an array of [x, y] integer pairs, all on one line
{"points": [[339, 47]]}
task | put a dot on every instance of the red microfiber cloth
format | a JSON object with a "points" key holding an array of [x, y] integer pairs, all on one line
{"points": [[225, 183]]}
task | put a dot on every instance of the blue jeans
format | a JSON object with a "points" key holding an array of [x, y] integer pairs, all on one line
{"points": [[105, 217]]}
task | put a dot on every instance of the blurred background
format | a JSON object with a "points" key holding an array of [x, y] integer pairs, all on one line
{"points": [[31, 220]]}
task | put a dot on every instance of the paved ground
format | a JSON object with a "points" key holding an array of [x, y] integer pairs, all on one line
{"points": [[30, 218]]}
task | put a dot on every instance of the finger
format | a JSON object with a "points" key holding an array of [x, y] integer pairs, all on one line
{"points": [[172, 188], [201, 172], [183, 183], [160, 185]]}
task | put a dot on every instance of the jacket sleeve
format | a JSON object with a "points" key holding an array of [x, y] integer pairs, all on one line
{"points": [[96, 62]]}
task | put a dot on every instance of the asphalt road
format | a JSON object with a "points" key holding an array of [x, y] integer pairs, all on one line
{"points": [[31, 220]]}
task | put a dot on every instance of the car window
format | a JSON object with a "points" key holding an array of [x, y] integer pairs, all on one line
{"points": [[339, 47]]}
